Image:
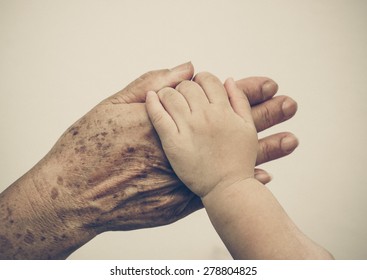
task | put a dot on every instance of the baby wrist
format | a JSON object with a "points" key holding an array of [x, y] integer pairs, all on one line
{"points": [[229, 187]]}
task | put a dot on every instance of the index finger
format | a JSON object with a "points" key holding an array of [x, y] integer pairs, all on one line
{"points": [[238, 100], [160, 118]]}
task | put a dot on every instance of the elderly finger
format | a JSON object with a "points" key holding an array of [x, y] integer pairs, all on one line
{"points": [[155, 80], [262, 176], [276, 146], [273, 111], [258, 89]]}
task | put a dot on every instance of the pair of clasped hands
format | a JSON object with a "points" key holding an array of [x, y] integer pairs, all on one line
{"points": [[163, 147]]}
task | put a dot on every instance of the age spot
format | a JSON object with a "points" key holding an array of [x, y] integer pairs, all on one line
{"points": [[80, 142], [54, 193], [60, 180], [81, 150], [74, 130], [29, 237], [130, 150], [9, 212]]}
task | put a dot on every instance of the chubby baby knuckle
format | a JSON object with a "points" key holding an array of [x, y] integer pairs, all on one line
{"points": [[205, 77], [202, 76], [164, 90], [184, 85], [267, 117], [166, 93]]}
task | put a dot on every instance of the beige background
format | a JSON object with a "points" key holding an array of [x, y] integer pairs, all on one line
{"points": [[60, 58]]}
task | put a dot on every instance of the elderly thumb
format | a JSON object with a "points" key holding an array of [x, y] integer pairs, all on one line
{"points": [[155, 80]]}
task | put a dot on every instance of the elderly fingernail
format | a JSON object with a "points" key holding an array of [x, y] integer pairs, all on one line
{"points": [[288, 144], [269, 88], [289, 108], [181, 67]]}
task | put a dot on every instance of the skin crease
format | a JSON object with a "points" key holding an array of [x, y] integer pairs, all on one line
{"points": [[108, 172]]}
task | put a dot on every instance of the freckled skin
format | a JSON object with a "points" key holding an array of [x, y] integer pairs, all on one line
{"points": [[54, 193], [106, 172], [5, 244], [29, 237], [121, 165], [60, 180]]}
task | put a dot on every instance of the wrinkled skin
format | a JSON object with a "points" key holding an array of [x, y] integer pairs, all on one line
{"points": [[119, 172]]}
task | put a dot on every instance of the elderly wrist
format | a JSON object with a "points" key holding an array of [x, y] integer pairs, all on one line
{"points": [[52, 211]]}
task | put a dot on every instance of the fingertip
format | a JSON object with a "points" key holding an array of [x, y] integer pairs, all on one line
{"points": [[151, 99], [289, 108], [269, 89], [237, 99], [230, 84], [150, 94], [181, 72], [289, 143], [153, 103], [184, 67], [263, 176], [159, 117]]}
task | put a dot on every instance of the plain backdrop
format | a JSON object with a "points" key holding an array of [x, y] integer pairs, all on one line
{"points": [[58, 59]]}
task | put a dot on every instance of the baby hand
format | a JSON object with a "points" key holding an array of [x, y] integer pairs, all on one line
{"points": [[207, 132]]}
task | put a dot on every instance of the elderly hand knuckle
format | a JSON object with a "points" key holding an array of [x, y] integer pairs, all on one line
{"points": [[267, 117], [266, 150]]}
